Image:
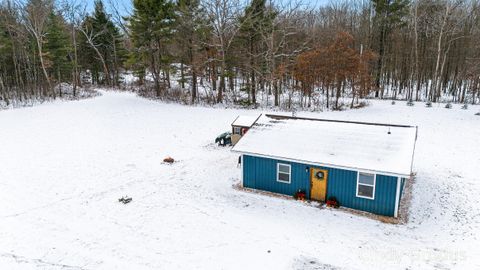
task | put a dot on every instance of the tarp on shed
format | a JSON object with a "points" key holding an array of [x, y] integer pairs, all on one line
{"points": [[380, 148]]}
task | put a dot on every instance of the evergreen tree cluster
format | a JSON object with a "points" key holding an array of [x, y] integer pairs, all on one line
{"points": [[100, 39], [240, 51]]}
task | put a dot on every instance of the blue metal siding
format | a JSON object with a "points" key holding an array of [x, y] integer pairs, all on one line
{"points": [[342, 184], [261, 173], [249, 171]]}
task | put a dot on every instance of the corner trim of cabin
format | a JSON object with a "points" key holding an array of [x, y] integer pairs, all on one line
{"points": [[414, 146], [397, 197], [241, 169], [374, 184]]}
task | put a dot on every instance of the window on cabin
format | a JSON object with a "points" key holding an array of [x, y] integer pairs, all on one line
{"points": [[237, 130], [283, 173], [366, 185]]}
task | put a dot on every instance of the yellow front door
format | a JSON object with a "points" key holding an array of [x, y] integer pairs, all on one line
{"points": [[318, 180]]}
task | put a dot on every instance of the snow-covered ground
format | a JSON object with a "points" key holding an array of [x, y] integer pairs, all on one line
{"points": [[64, 165]]}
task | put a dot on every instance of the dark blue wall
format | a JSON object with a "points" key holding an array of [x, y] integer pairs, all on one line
{"points": [[261, 173]]}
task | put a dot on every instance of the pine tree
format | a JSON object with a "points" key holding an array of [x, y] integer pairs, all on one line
{"points": [[389, 14], [256, 21], [57, 48], [191, 29], [111, 40], [152, 28], [102, 43], [35, 16], [6, 59]]}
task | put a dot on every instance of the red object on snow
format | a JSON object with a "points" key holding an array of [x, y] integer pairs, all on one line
{"points": [[300, 195], [332, 203], [168, 160]]}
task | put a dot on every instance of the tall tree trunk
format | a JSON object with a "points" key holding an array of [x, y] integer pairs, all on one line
{"points": [[75, 76], [252, 74], [42, 62], [213, 77], [193, 67], [381, 52], [194, 86], [221, 87], [155, 75], [276, 92], [100, 56], [417, 66], [167, 76], [231, 84], [182, 75], [115, 63], [436, 75]]}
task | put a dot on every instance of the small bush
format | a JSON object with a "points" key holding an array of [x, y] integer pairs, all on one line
{"points": [[410, 103], [360, 105], [428, 104], [465, 106], [244, 102], [393, 102], [448, 105]]}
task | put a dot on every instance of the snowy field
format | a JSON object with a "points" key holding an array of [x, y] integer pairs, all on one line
{"points": [[64, 165]]}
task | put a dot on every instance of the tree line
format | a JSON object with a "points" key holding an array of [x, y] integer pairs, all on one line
{"points": [[285, 54]]}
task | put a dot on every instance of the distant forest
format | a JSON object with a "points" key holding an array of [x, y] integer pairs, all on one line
{"points": [[221, 51]]}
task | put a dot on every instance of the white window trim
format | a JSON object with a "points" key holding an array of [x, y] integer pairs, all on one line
{"points": [[374, 184], [289, 173]]}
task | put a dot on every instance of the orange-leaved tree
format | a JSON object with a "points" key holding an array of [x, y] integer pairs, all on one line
{"points": [[334, 68]]}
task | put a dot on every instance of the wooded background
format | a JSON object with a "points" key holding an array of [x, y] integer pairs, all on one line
{"points": [[235, 51]]}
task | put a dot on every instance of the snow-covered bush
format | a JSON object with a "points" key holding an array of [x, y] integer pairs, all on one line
{"points": [[361, 104], [244, 102]]}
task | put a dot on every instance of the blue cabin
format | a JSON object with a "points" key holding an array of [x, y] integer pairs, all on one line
{"points": [[364, 166]]}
